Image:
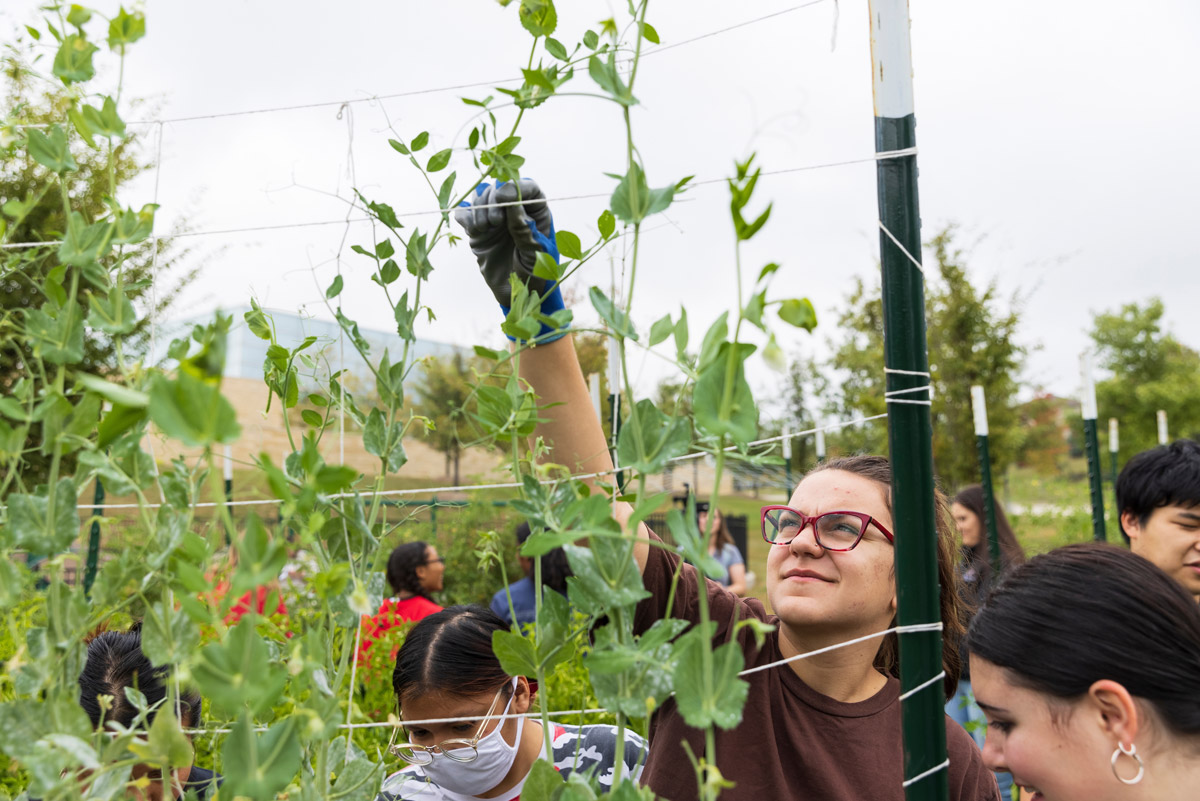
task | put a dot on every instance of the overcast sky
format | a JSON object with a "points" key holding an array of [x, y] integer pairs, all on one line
{"points": [[1058, 135]]}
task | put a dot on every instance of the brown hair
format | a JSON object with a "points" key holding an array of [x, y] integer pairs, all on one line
{"points": [[887, 659], [1011, 553], [723, 536]]}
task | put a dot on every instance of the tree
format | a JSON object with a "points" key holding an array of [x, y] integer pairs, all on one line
{"points": [[970, 339], [1044, 433], [1151, 370], [32, 210], [444, 393]]}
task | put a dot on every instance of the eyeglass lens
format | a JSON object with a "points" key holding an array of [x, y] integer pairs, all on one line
{"points": [[834, 531]]}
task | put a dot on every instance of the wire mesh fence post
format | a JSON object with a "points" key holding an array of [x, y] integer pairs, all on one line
{"points": [[909, 427], [1113, 447], [1091, 443], [979, 405], [93, 553]]}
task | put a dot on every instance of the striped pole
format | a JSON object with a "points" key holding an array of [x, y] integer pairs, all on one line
{"points": [[787, 461], [1162, 427], [1091, 443], [1113, 447], [909, 428], [979, 406]]}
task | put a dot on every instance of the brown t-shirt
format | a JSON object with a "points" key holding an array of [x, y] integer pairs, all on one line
{"points": [[793, 742]]}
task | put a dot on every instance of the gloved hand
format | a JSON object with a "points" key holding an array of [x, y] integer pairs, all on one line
{"points": [[506, 241]]}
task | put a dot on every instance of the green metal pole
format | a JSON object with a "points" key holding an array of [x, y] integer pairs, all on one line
{"points": [[909, 428], [787, 463], [1113, 447], [93, 554], [1092, 445], [979, 404]]}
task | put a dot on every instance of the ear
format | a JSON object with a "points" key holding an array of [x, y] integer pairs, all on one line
{"points": [[1131, 524], [1115, 710], [523, 698]]}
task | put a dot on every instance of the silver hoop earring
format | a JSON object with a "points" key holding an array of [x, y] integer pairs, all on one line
{"points": [[1132, 752]]}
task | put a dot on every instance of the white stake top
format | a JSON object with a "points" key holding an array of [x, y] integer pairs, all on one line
{"points": [[1087, 396], [1113, 440], [891, 58], [787, 443], [979, 406], [1162, 427]]}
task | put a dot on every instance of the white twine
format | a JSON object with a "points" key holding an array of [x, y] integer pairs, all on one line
{"points": [[909, 629], [896, 241], [927, 773]]}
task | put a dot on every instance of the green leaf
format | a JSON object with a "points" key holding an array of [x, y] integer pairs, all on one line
{"points": [[633, 200], [260, 765], [112, 314], [84, 244], [257, 321], [649, 438], [754, 310], [416, 256], [168, 636], [607, 224], [538, 17], [312, 418], [649, 33], [604, 73], [73, 61], [389, 272], [419, 141], [719, 703], [118, 420], [335, 478], [82, 127], [693, 545], [78, 15], [515, 652], [132, 226], [661, 330], [556, 49], [125, 29], [606, 576], [51, 150], [541, 783], [591, 40], [799, 313], [681, 334], [237, 673], [568, 245], [544, 266], [439, 160], [486, 353], [446, 190], [334, 290], [166, 745], [56, 334], [740, 420], [192, 411], [399, 147], [713, 339], [615, 317], [260, 557], [35, 527], [383, 441]]}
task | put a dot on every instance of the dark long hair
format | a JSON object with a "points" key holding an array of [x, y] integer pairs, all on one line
{"points": [[887, 660], [723, 536], [115, 661], [555, 567], [978, 557], [402, 568], [450, 652], [1090, 612]]}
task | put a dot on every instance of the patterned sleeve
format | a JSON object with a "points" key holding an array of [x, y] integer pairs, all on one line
{"points": [[589, 749]]}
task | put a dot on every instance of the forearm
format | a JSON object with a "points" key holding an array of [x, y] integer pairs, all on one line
{"points": [[570, 425]]}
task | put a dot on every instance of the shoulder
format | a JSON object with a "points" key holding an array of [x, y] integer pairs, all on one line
{"points": [[970, 778], [587, 748], [203, 781], [731, 553]]}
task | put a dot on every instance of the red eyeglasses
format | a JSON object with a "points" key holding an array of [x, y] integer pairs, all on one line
{"points": [[834, 531]]}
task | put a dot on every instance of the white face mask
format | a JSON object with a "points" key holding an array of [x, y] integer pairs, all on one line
{"points": [[495, 760]]}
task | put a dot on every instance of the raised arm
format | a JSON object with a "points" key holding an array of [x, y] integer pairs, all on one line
{"points": [[505, 241]]}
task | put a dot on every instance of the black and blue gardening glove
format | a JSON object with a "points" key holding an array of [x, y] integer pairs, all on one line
{"points": [[506, 241]]}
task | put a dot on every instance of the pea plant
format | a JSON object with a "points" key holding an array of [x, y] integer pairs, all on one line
{"points": [[281, 715]]}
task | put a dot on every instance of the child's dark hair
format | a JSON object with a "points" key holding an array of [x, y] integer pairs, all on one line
{"points": [[555, 567], [115, 661], [450, 652], [402, 568], [1090, 612], [1168, 475]]}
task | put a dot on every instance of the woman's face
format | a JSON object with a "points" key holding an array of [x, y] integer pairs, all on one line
{"points": [[842, 592], [969, 525], [157, 790], [1051, 748], [704, 521], [474, 708], [430, 574]]}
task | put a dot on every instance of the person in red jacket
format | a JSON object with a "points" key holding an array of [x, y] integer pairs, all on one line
{"points": [[415, 572]]}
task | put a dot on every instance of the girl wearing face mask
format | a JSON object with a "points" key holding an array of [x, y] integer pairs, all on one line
{"points": [[447, 669], [1108, 710]]}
